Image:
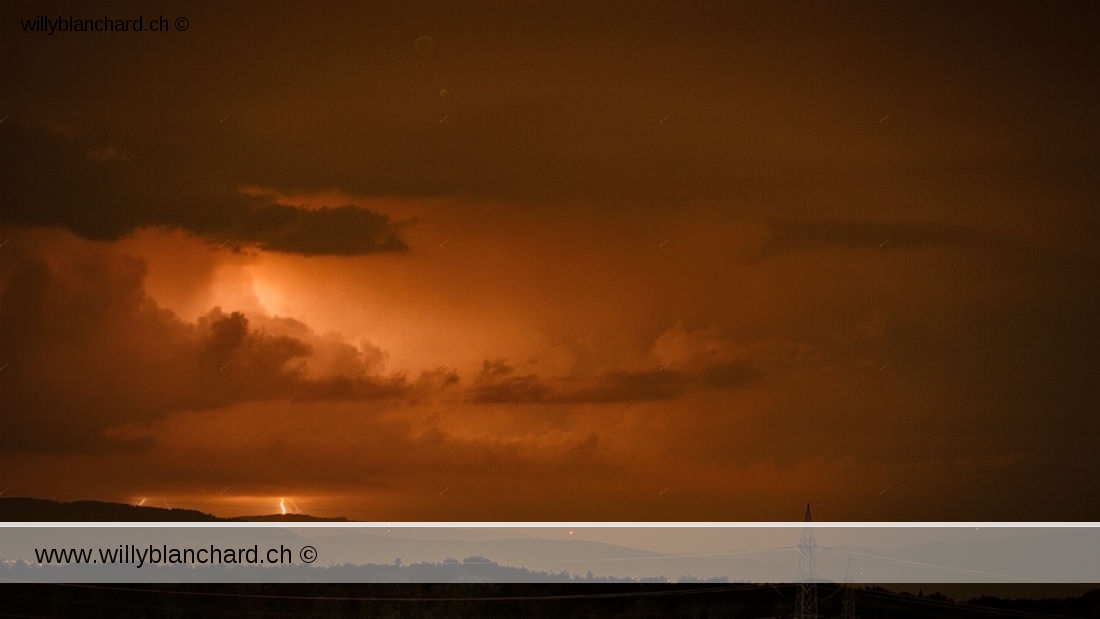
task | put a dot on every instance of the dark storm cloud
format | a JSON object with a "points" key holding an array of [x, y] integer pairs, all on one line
{"points": [[747, 105], [496, 367], [1019, 378], [794, 235], [87, 350], [343, 230], [526, 389], [624, 386], [609, 387], [695, 360], [99, 193]]}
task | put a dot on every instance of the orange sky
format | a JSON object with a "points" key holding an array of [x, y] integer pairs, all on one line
{"points": [[646, 263]]}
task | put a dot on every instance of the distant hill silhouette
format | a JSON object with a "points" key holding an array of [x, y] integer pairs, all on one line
{"points": [[24, 509], [288, 518]]}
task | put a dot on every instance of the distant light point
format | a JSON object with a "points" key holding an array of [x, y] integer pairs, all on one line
{"points": [[663, 244], [884, 118], [223, 120], [664, 119], [883, 367], [223, 367], [884, 242], [445, 118]]}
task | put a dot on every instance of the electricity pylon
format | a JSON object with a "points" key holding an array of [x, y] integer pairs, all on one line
{"points": [[807, 590], [849, 593]]}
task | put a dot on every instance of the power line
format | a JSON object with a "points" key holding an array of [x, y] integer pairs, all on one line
{"points": [[947, 568], [959, 605]]}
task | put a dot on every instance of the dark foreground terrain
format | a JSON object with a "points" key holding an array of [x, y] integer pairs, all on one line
{"points": [[24, 509], [499, 600]]}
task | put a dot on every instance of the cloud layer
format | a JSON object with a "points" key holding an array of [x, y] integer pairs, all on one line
{"points": [[100, 194], [90, 350]]}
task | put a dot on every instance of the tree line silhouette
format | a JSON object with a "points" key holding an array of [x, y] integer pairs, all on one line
{"points": [[473, 587]]}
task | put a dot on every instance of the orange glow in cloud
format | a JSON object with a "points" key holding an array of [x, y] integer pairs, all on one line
{"points": [[271, 299]]}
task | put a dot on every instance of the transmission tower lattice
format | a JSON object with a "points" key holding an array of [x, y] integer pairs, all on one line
{"points": [[807, 590], [849, 593]]}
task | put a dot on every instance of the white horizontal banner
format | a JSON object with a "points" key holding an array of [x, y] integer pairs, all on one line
{"points": [[865, 553]]}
